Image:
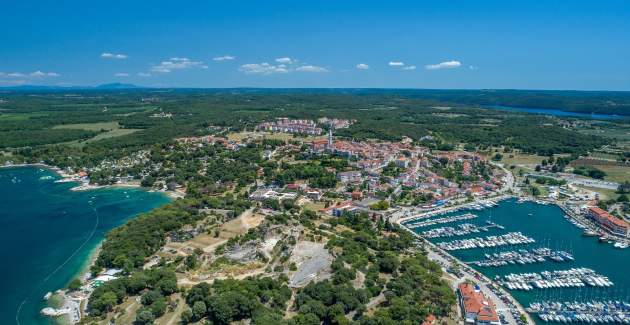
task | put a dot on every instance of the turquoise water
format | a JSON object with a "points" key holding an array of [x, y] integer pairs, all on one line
{"points": [[47, 233], [557, 112], [547, 225]]}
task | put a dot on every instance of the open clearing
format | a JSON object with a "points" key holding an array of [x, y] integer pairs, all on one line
{"points": [[614, 172], [108, 126], [313, 262], [112, 129]]}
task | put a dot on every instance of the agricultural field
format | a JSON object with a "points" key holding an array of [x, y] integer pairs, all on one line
{"points": [[107, 129], [615, 172]]}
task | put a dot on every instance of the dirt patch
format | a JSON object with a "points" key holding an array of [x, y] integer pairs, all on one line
{"points": [[313, 262]]}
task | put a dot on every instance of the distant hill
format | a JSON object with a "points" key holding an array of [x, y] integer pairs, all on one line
{"points": [[110, 86]]}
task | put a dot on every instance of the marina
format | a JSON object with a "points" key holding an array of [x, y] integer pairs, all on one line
{"points": [[460, 230], [523, 256], [582, 312], [576, 277], [566, 262], [512, 238], [438, 221]]}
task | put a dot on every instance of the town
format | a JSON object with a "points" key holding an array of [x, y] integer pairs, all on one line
{"points": [[401, 182]]}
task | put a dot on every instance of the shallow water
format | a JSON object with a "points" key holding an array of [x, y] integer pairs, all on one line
{"points": [[47, 233]]}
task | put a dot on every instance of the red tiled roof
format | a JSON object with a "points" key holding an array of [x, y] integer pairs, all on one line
{"points": [[605, 215], [475, 302]]}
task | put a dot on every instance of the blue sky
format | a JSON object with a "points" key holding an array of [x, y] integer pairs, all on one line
{"points": [[342, 43]]}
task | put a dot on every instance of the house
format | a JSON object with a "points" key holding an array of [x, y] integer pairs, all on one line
{"points": [[356, 195], [476, 308], [262, 194], [314, 194], [340, 208], [349, 177]]}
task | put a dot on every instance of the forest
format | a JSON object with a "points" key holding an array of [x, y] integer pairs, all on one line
{"points": [[43, 126]]}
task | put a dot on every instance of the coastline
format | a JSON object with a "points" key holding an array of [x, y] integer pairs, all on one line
{"points": [[61, 298], [443, 257], [85, 186]]}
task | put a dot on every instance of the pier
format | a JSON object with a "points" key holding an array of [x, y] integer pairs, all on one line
{"points": [[522, 257], [461, 230], [443, 220], [571, 278], [582, 312], [512, 238]]}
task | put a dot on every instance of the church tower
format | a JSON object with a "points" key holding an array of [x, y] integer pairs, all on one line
{"points": [[330, 138]]}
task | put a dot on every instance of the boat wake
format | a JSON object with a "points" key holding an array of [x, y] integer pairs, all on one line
{"points": [[74, 253]]}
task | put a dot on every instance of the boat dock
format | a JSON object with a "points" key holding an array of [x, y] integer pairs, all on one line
{"points": [[512, 238], [523, 256], [571, 278], [582, 312], [426, 223], [460, 230]]}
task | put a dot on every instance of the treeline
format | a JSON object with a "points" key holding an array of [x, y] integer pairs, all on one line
{"points": [[127, 247], [25, 138]]}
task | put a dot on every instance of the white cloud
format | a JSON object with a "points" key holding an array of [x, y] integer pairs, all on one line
{"points": [[472, 67], [311, 68], [40, 74], [144, 74], [396, 64], [286, 60], [121, 74], [409, 67], [362, 66], [263, 68], [443, 65], [34, 74], [224, 58], [177, 64], [107, 55]]}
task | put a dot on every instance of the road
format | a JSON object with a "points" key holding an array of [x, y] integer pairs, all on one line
{"points": [[482, 281], [510, 309]]}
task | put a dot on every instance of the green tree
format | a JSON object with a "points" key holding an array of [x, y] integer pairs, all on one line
{"points": [[199, 310], [74, 285], [145, 317]]}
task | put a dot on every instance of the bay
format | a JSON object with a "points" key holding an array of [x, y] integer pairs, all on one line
{"points": [[48, 232], [557, 112]]}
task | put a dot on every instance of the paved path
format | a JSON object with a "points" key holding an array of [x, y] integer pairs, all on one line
{"points": [[483, 284]]}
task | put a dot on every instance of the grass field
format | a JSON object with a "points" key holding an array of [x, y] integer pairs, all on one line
{"points": [[614, 172], [112, 134], [519, 159], [90, 126], [112, 129], [12, 117]]}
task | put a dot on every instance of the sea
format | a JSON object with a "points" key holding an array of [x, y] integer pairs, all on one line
{"points": [[548, 226], [48, 234]]}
